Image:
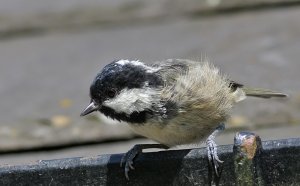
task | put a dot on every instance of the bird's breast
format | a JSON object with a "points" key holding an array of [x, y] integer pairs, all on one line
{"points": [[176, 131]]}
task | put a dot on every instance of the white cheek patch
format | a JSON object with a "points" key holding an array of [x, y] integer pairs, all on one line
{"points": [[138, 63], [133, 100]]}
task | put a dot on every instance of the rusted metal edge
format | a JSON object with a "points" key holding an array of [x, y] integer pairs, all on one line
{"points": [[276, 163]]}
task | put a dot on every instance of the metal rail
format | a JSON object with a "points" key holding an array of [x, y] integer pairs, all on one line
{"points": [[247, 162]]}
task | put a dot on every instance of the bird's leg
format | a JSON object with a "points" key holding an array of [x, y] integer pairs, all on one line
{"points": [[212, 150], [134, 152]]}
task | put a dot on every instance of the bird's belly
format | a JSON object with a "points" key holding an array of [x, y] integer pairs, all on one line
{"points": [[174, 133]]}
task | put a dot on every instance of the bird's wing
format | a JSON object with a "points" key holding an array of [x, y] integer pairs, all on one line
{"points": [[171, 69]]}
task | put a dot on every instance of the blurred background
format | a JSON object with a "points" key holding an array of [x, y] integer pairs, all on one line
{"points": [[51, 50]]}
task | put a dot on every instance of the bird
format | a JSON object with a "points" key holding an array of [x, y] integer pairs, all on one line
{"points": [[173, 102]]}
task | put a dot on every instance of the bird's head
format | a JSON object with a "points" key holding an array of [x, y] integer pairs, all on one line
{"points": [[124, 90]]}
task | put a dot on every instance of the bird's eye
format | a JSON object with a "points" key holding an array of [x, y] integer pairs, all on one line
{"points": [[111, 93]]}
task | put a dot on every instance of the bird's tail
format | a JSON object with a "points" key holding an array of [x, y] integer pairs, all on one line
{"points": [[262, 93]]}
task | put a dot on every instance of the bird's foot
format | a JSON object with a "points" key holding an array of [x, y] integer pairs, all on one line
{"points": [[212, 154], [128, 158], [213, 157]]}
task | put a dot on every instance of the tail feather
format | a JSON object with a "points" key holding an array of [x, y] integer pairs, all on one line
{"points": [[262, 93]]}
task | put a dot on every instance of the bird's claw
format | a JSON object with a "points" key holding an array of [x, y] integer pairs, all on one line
{"points": [[128, 158], [213, 157]]}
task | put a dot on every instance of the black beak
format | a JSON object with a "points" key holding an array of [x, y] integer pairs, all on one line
{"points": [[89, 109]]}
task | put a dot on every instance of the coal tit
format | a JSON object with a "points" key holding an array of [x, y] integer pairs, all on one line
{"points": [[173, 102]]}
